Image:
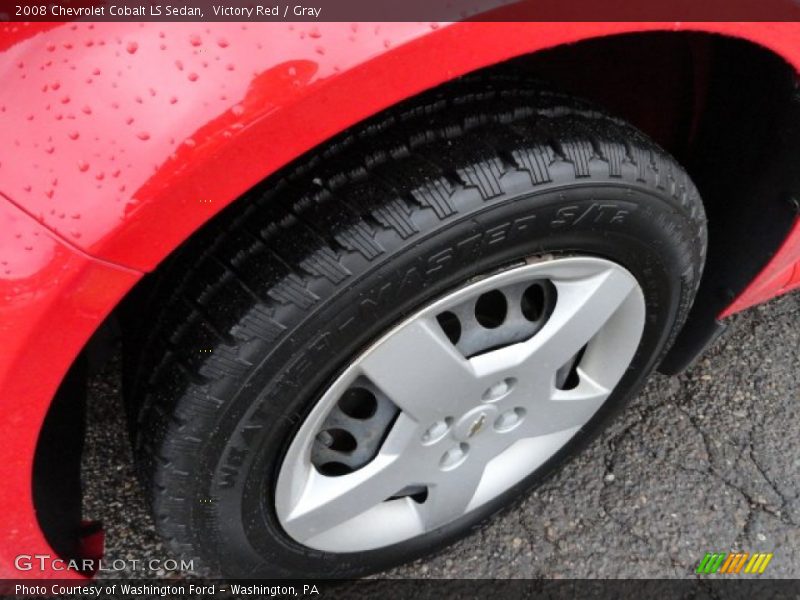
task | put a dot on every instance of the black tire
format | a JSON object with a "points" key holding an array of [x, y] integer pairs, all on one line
{"points": [[262, 309]]}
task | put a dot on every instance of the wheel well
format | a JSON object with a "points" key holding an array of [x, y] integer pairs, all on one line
{"points": [[717, 104], [729, 111]]}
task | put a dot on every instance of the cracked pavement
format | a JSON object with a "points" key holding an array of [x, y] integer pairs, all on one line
{"points": [[709, 461]]}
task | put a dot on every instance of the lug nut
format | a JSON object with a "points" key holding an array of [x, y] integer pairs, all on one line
{"points": [[325, 438], [498, 390], [454, 457], [509, 419], [436, 431]]}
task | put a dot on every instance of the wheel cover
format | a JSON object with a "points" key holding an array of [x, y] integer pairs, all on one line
{"points": [[463, 426]]}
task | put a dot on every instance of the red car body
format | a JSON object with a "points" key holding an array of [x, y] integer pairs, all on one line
{"points": [[122, 139]]}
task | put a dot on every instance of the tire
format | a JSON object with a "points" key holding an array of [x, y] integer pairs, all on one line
{"points": [[261, 311]]}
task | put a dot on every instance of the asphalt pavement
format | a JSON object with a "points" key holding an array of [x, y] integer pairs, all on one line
{"points": [[705, 462]]}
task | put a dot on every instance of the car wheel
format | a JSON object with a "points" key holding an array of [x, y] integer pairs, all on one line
{"points": [[376, 350]]}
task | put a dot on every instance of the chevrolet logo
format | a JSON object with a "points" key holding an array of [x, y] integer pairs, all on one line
{"points": [[477, 425]]}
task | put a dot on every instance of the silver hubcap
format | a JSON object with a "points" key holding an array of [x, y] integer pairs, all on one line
{"points": [[459, 403]]}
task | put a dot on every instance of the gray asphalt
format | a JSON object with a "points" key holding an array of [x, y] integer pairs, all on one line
{"points": [[709, 461]]}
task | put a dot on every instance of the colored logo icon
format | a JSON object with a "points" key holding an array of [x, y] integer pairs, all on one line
{"points": [[734, 563]]}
